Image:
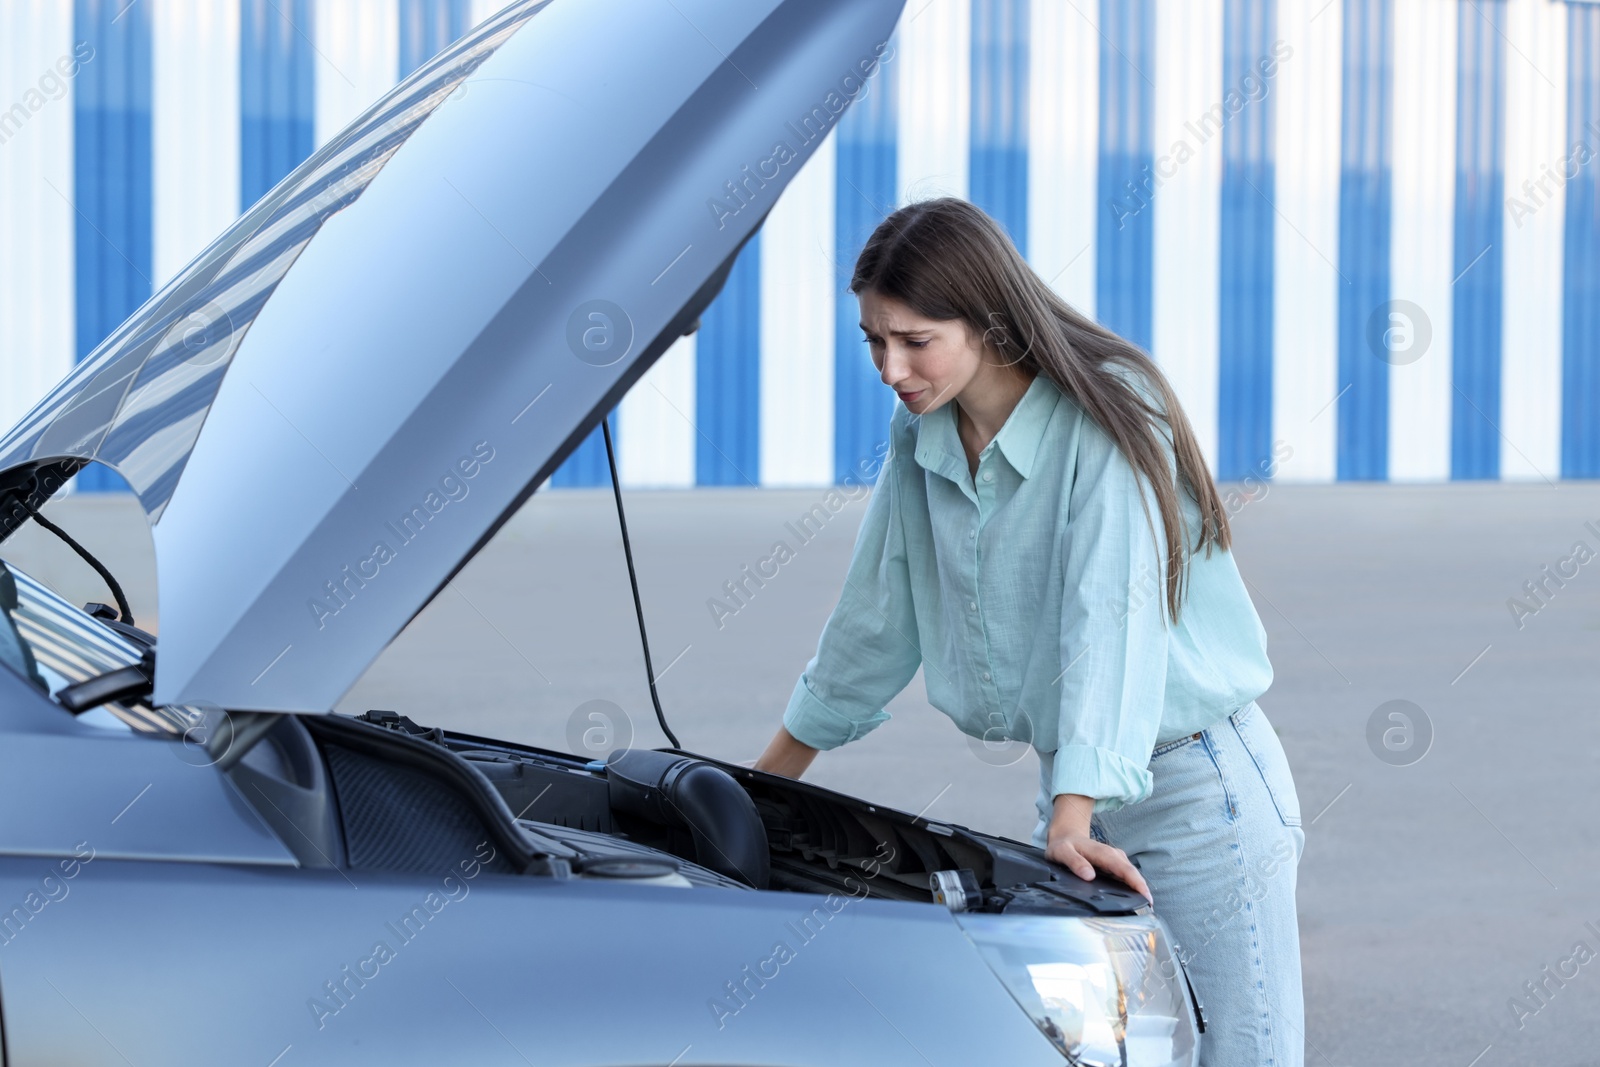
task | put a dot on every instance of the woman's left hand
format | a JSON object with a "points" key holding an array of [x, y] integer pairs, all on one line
{"points": [[1081, 854], [1070, 844]]}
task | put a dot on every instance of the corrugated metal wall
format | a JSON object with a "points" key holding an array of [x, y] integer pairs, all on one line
{"points": [[1361, 236]]}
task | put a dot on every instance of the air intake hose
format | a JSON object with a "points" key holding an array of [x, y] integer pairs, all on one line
{"points": [[680, 791]]}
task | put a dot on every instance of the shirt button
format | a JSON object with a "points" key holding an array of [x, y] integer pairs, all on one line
{"points": [[972, 605], [971, 534], [986, 676], [988, 476]]}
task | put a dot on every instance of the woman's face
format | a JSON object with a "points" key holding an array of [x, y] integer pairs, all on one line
{"points": [[927, 362]]}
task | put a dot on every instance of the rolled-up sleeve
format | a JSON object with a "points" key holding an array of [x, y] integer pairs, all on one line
{"points": [[1114, 630], [868, 650]]}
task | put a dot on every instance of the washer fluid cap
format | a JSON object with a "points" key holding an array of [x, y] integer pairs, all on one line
{"points": [[638, 871]]}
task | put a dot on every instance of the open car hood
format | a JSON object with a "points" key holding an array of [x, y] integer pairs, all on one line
{"points": [[340, 400]]}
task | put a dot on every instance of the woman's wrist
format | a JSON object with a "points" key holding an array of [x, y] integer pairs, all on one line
{"points": [[786, 755], [1071, 815]]}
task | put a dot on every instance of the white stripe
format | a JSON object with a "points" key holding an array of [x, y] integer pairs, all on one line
{"points": [[935, 99], [481, 10], [656, 437], [358, 59], [1536, 151], [1305, 241], [1187, 202], [1421, 260], [194, 128], [36, 259], [799, 279], [1063, 146]]}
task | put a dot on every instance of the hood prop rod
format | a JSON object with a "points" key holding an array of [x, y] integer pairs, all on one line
{"points": [[633, 580]]}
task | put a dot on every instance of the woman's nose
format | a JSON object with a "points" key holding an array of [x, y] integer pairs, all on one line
{"points": [[894, 366]]}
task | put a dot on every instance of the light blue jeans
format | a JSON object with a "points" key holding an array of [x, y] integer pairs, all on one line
{"points": [[1219, 841]]}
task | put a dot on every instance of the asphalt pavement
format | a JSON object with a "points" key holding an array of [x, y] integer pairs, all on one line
{"points": [[1450, 889]]}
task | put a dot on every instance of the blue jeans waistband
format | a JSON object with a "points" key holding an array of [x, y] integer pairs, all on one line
{"points": [[1163, 747]]}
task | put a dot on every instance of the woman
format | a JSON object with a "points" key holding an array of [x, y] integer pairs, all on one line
{"points": [[1046, 541]]}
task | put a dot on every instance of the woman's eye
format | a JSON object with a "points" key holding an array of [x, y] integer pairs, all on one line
{"points": [[912, 344]]}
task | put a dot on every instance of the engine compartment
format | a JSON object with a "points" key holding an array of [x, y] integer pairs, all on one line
{"points": [[381, 792], [817, 840]]}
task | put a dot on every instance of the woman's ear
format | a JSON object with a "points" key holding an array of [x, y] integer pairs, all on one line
{"points": [[995, 335]]}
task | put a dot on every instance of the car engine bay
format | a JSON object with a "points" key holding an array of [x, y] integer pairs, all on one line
{"points": [[381, 792]]}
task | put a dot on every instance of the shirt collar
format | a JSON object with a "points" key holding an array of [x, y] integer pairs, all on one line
{"points": [[939, 444]]}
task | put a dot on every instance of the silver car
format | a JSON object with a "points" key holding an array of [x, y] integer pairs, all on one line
{"points": [[324, 416]]}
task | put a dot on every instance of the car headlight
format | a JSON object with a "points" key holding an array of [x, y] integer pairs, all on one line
{"points": [[1106, 991]]}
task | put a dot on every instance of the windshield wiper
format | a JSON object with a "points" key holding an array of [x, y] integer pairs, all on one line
{"points": [[124, 683]]}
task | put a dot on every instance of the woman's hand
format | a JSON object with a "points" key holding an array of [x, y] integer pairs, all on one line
{"points": [[1070, 844]]}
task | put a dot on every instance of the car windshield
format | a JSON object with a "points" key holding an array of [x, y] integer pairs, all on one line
{"points": [[51, 644]]}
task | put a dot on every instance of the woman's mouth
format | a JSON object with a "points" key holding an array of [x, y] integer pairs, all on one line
{"points": [[909, 397]]}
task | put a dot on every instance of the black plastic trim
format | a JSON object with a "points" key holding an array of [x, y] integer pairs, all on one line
{"points": [[515, 844]]}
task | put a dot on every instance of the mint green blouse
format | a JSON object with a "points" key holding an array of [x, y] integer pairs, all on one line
{"points": [[1033, 595]]}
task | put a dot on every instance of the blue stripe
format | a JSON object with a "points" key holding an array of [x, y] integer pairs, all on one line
{"points": [[1580, 306], [1244, 314], [727, 374], [587, 465], [1125, 177], [277, 106], [998, 151], [111, 189], [1364, 211], [864, 193], [426, 26], [1476, 298], [111, 174]]}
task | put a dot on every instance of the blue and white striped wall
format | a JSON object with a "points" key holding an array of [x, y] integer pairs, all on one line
{"points": [[1361, 237]]}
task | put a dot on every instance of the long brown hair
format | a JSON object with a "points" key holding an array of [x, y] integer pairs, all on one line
{"points": [[946, 259]]}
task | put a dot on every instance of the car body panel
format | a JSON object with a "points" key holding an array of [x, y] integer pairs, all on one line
{"points": [[501, 970], [64, 782], [432, 353]]}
